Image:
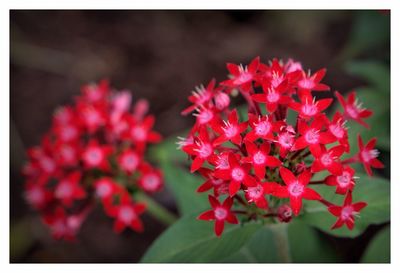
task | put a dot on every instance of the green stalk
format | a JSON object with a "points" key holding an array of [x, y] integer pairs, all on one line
{"points": [[281, 242], [155, 209]]}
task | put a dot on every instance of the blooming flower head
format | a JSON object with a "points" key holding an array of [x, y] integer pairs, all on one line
{"points": [[94, 151], [266, 160]]}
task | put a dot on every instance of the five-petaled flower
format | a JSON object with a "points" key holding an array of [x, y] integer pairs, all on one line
{"points": [[219, 213]]}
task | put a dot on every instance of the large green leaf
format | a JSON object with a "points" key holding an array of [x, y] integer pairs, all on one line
{"points": [[178, 179], [192, 240], [378, 250], [305, 245], [183, 186], [373, 190]]}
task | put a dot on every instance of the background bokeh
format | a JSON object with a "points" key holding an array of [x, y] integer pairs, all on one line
{"points": [[161, 56]]}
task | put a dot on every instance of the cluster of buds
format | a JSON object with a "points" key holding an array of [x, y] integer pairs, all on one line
{"points": [[263, 164], [94, 151]]}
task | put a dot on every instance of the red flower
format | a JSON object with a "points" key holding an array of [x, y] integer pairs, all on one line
{"points": [[344, 181], [201, 96], [260, 158], [272, 97], [219, 213], [202, 149], [68, 189], [311, 136], [242, 76], [129, 161], [368, 155], [327, 159], [37, 195], [285, 140], [126, 214], [262, 127], [236, 174], [105, 188], [309, 108], [229, 130], [140, 132], [96, 156], [257, 193], [295, 189], [151, 179], [313, 82], [211, 182], [346, 212], [353, 109], [338, 130]]}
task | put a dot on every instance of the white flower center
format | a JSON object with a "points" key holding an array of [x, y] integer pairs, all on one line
{"points": [[326, 159], [130, 161], [220, 213], [205, 150], [296, 189], [35, 195], [230, 130], [243, 78], [259, 158], [222, 162], [255, 192], [263, 128], [139, 133], [273, 96], [312, 136], [344, 179], [238, 174], [151, 182], [347, 212], [368, 155], [103, 190], [205, 116], [285, 140], [307, 83], [126, 214], [309, 109], [94, 156], [63, 190], [47, 164], [352, 111], [336, 130]]}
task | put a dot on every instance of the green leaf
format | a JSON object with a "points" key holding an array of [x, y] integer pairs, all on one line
{"points": [[183, 185], [375, 73], [305, 246], [373, 190], [192, 240], [378, 250]]}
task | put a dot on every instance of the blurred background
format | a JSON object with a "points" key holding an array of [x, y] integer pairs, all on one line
{"points": [[161, 56]]}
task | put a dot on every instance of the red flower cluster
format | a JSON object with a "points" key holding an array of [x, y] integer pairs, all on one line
{"points": [[94, 151], [263, 160]]}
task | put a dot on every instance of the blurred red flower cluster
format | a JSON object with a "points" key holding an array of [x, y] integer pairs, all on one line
{"points": [[95, 150], [264, 162]]}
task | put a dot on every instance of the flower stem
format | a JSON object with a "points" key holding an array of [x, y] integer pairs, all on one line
{"points": [[281, 241], [155, 209]]}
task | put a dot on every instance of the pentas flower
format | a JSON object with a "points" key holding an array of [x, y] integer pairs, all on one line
{"points": [[309, 108], [260, 158], [312, 136], [346, 212], [242, 76], [353, 109], [272, 97], [220, 213], [312, 83], [126, 214], [344, 181], [236, 174], [95, 150], [266, 161], [229, 130], [368, 155], [200, 96], [295, 189], [327, 160]]}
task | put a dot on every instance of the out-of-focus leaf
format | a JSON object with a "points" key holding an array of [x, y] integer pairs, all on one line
{"points": [[373, 190], [191, 240], [375, 73], [378, 250], [305, 246]]}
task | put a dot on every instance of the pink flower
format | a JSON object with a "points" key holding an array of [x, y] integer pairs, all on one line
{"points": [[353, 109], [368, 155], [229, 130], [242, 76]]}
